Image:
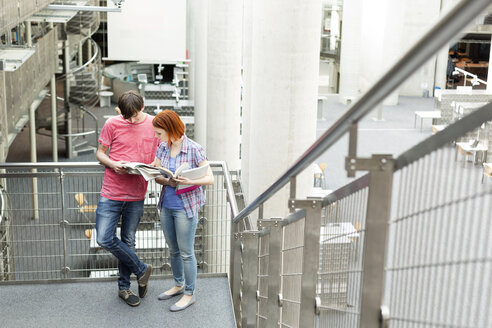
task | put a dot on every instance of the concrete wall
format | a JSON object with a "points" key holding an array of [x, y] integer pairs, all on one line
{"points": [[21, 87], [422, 15], [13, 12]]}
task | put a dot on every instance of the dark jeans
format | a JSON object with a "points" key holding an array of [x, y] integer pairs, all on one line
{"points": [[108, 215]]}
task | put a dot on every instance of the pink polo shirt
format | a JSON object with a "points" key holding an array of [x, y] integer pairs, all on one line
{"points": [[132, 143]]}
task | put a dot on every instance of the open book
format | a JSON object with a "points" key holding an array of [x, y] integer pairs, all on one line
{"points": [[151, 172]]}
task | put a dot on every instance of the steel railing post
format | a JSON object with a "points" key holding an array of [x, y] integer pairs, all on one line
{"points": [[249, 263], [378, 215], [274, 270], [63, 223], [235, 270], [310, 259]]}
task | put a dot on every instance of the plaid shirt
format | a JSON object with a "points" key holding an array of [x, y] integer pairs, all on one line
{"points": [[193, 154]]}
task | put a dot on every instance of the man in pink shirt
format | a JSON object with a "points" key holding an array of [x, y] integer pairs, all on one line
{"points": [[129, 138]]}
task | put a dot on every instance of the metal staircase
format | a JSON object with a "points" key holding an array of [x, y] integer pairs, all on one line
{"points": [[83, 80]]}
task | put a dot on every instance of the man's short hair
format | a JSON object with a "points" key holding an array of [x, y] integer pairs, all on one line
{"points": [[130, 103]]}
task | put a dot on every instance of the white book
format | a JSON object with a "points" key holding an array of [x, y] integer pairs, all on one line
{"points": [[151, 172]]}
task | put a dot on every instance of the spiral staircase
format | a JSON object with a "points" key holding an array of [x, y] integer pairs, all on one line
{"points": [[80, 71]]}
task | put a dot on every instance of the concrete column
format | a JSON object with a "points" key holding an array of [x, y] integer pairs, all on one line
{"points": [[350, 53], [199, 67], [382, 24], [246, 94], [89, 49], [33, 147], [224, 81], [223, 104], [28, 34], [489, 73], [283, 99], [4, 131], [393, 43], [68, 122], [81, 53], [191, 21], [54, 127], [441, 64], [371, 44]]}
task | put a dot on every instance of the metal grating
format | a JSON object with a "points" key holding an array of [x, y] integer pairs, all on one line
{"points": [[263, 260], [341, 256], [291, 271], [439, 260]]}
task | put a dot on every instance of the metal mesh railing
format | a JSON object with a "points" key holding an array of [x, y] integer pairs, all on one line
{"points": [[263, 260], [291, 271], [341, 256], [439, 251], [60, 243]]}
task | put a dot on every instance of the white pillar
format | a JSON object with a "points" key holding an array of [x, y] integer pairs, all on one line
{"points": [[283, 99], [199, 67], [34, 159], [28, 34], [224, 81], [350, 53], [191, 21], [246, 94], [66, 64], [4, 131], [489, 74], [392, 43], [54, 126], [89, 49]]}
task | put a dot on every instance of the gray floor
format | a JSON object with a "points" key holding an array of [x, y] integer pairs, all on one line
{"points": [[393, 135], [96, 304]]}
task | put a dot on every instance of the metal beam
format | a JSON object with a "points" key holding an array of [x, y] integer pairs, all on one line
{"points": [[83, 8]]}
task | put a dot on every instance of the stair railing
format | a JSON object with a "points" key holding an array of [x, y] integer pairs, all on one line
{"points": [[259, 299], [89, 98]]}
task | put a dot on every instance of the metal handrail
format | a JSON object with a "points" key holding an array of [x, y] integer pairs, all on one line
{"points": [[61, 165], [229, 188], [64, 165], [89, 61], [71, 165], [79, 134], [442, 32]]}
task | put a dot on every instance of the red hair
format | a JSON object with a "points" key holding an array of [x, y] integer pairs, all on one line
{"points": [[169, 121]]}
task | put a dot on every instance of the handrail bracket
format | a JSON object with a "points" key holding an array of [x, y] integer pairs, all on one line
{"points": [[378, 162]]}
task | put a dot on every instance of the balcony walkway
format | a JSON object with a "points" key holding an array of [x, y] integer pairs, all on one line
{"points": [[96, 304]]}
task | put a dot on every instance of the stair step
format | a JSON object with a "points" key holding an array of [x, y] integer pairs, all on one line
{"points": [[86, 150], [84, 75], [83, 143]]}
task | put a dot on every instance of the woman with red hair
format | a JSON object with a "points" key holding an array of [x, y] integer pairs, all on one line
{"points": [[179, 212]]}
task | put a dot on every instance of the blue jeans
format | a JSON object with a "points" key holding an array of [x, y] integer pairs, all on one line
{"points": [[108, 214], [179, 231]]}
